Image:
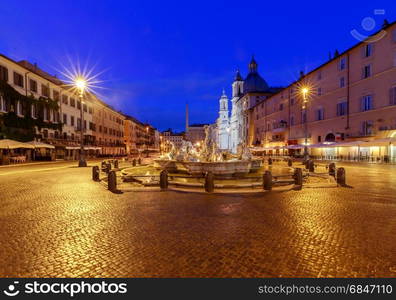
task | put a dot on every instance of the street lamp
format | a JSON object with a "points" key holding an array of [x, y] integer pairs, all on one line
{"points": [[147, 140], [81, 84], [161, 145], [228, 138], [305, 93]]}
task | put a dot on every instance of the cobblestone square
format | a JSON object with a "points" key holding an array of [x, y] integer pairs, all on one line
{"points": [[56, 222]]}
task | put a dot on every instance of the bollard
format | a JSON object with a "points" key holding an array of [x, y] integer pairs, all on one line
{"points": [[139, 161], [209, 182], [112, 181], [108, 168], [298, 177], [341, 180], [332, 169], [116, 164], [289, 162], [311, 166], [134, 162], [270, 161], [267, 181], [306, 163], [95, 173], [164, 179]]}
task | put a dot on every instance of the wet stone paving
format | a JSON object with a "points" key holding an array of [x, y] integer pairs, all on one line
{"points": [[56, 222]]}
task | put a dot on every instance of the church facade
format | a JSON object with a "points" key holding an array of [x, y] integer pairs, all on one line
{"points": [[234, 129]]}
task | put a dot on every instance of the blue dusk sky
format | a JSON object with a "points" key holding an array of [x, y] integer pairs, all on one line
{"points": [[158, 55]]}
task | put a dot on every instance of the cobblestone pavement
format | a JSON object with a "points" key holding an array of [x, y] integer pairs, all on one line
{"points": [[56, 222]]}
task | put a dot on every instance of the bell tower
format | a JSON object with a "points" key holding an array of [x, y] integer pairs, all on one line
{"points": [[223, 123]]}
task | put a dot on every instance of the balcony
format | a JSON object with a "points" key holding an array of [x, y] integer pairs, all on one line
{"points": [[385, 128], [361, 134]]}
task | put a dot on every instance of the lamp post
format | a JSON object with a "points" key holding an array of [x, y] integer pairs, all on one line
{"points": [[305, 92], [228, 138], [81, 84], [147, 141], [161, 145]]}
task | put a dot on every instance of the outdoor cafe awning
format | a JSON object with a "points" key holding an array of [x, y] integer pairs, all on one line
{"points": [[11, 144], [266, 148], [372, 143], [38, 145]]}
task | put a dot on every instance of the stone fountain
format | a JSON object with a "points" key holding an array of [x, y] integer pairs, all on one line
{"points": [[198, 160]]}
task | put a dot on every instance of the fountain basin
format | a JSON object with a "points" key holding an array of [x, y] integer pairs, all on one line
{"points": [[256, 165], [218, 168], [165, 164]]}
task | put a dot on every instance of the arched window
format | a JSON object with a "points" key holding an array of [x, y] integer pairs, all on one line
{"points": [[330, 137]]}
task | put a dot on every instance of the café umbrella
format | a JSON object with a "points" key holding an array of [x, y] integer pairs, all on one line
{"points": [[11, 144]]}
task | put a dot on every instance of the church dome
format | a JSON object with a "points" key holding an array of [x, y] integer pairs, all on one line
{"points": [[254, 82]]}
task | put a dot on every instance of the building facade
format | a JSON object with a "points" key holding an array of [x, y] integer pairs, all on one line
{"points": [[35, 105], [169, 138], [108, 129], [233, 130], [195, 133]]}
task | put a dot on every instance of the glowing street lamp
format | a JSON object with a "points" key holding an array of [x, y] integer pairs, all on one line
{"points": [[81, 84], [305, 93]]}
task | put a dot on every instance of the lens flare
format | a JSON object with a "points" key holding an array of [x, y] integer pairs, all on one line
{"points": [[79, 79]]}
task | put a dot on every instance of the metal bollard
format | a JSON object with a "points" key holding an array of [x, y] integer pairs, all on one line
{"points": [[341, 180], [108, 168], [311, 166], [209, 182], [139, 161], [134, 162], [289, 162], [164, 180], [267, 181], [298, 177], [332, 169], [116, 164], [95, 173], [270, 161], [112, 181]]}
